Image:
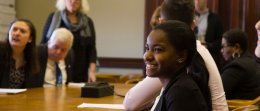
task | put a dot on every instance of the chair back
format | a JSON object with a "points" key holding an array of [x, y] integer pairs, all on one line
{"points": [[244, 105]]}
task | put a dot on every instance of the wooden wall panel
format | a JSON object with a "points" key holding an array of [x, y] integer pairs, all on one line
{"points": [[150, 6], [238, 14]]}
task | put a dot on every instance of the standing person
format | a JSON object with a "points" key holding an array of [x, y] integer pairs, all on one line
{"points": [[239, 76], [209, 29], [71, 14], [257, 49], [56, 59], [143, 95], [155, 17], [170, 51], [18, 58]]}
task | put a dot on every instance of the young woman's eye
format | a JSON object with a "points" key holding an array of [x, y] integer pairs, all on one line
{"points": [[14, 29], [146, 48], [23, 31], [157, 49]]}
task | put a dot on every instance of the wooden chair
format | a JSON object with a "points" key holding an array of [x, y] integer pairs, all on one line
{"points": [[131, 78], [108, 77], [248, 108], [243, 104]]}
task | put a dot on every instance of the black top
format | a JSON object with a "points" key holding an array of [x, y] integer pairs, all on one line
{"points": [[214, 34], [83, 47], [9, 76], [182, 94], [240, 79]]}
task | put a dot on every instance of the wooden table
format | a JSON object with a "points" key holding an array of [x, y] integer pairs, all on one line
{"points": [[57, 99]]}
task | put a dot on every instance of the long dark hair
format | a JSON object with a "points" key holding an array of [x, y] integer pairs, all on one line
{"points": [[30, 53], [183, 38]]}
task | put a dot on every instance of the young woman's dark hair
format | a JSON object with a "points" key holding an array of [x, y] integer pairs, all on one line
{"points": [[181, 37]]}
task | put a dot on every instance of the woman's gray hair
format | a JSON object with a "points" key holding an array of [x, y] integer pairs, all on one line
{"points": [[60, 5], [63, 35]]}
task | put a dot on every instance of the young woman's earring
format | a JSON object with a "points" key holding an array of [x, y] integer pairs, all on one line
{"points": [[180, 60]]}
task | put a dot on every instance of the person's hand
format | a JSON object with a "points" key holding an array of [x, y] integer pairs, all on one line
{"points": [[91, 77]]}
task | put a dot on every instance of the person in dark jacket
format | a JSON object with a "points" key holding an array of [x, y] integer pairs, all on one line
{"points": [[239, 76]]}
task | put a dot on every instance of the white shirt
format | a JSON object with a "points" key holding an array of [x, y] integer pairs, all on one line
{"points": [[157, 100], [50, 73], [202, 23]]}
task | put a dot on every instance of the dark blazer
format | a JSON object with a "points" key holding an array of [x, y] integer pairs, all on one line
{"points": [[182, 94], [43, 58], [240, 79], [31, 80], [214, 34]]}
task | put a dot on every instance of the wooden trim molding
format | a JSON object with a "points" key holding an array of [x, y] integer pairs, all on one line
{"points": [[121, 62]]}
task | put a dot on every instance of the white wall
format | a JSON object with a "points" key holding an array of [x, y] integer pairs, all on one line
{"points": [[35, 10], [119, 27]]}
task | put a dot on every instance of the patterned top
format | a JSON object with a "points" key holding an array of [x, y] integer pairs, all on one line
{"points": [[17, 76]]}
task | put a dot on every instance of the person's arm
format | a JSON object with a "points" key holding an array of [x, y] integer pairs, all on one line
{"points": [[214, 31], [142, 95], [46, 28], [92, 72], [93, 53], [218, 97]]}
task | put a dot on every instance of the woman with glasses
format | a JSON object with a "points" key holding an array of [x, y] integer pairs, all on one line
{"points": [[239, 74]]}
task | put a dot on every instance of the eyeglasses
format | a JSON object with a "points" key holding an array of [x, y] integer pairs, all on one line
{"points": [[224, 46]]}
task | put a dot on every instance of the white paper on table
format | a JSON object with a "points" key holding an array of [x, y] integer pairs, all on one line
{"points": [[71, 84], [11, 91], [108, 106]]}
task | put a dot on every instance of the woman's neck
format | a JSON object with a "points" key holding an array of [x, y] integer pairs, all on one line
{"points": [[72, 16], [18, 56], [164, 81]]}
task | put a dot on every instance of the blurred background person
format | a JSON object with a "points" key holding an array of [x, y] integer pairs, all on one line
{"points": [[155, 17], [18, 57], [209, 29], [72, 14], [56, 59], [257, 49], [239, 74]]}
